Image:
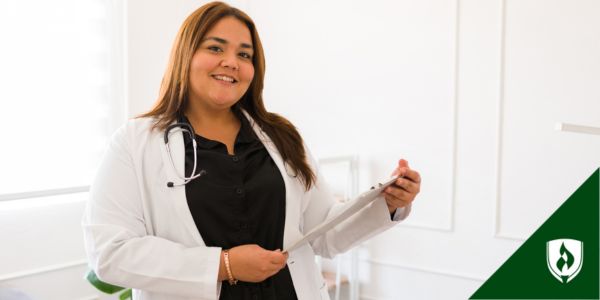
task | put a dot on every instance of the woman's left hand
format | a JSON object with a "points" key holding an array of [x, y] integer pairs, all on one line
{"points": [[402, 192]]}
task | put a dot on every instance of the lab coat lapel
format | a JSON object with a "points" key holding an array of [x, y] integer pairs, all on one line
{"points": [[293, 188], [301, 260]]}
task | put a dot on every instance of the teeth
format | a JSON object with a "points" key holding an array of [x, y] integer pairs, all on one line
{"points": [[224, 78]]}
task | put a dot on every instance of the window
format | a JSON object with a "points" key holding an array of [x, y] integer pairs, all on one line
{"points": [[62, 92]]}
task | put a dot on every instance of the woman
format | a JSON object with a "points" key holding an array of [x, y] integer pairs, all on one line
{"points": [[196, 198]]}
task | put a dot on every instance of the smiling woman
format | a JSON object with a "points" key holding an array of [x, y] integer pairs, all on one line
{"points": [[196, 198], [220, 73]]}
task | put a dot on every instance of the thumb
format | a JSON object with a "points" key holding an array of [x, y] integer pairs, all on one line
{"points": [[402, 163], [278, 257]]}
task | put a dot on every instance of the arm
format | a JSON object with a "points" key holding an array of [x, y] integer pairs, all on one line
{"points": [[121, 252], [368, 222], [118, 247]]}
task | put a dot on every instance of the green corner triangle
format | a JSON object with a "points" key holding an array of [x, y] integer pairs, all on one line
{"points": [[527, 273]]}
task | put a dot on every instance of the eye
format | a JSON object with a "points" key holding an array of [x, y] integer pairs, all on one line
{"points": [[245, 55], [214, 49]]}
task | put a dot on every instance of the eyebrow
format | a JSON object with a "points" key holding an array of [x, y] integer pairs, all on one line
{"points": [[223, 41]]}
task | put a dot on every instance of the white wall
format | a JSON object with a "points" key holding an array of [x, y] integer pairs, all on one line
{"points": [[42, 248], [468, 91]]}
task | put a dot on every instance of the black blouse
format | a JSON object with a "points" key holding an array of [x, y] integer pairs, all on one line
{"points": [[240, 200]]}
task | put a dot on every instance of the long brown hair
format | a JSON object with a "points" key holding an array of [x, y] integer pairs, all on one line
{"points": [[173, 95]]}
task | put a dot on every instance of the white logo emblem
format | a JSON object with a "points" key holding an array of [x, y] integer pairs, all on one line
{"points": [[564, 258]]}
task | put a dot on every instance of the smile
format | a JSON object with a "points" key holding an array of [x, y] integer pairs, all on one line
{"points": [[224, 78]]}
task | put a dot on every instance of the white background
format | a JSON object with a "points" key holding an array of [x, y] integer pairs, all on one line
{"points": [[468, 91]]}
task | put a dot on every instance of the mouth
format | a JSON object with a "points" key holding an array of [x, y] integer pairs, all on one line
{"points": [[225, 78]]}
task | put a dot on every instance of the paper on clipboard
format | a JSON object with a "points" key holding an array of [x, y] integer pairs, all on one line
{"points": [[352, 207]]}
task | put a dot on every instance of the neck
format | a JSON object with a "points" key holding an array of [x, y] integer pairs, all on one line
{"points": [[219, 125], [205, 117]]}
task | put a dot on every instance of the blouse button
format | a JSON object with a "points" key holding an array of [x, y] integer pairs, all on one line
{"points": [[239, 191], [235, 158]]}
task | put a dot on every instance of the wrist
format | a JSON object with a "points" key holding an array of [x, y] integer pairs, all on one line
{"points": [[392, 209]]}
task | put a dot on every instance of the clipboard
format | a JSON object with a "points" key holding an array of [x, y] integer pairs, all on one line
{"points": [[353, 207]]}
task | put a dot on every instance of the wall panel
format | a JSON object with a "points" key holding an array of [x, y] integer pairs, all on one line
{"points": [[551, 75], [376, 79]]}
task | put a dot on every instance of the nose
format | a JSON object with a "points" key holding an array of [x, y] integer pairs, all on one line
{"points": [[230, 61]]}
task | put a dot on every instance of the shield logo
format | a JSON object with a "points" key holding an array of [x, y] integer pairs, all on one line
{"points": [[564, 258]]}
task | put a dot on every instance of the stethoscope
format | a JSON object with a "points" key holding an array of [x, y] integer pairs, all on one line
{"points": [[184, 128]]}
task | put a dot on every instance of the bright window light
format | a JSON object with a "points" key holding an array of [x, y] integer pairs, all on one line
{"points": [[57, 77]]}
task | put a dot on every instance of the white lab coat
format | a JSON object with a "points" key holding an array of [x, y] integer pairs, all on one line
{"points": [[139, 233]]}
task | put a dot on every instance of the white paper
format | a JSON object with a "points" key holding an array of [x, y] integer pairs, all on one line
{"points": [[351, 208]]}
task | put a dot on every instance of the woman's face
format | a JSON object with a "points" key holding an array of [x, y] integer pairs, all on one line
{"points": [[221, 69]]}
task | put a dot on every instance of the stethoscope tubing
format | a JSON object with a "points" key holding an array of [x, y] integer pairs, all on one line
{"points": [[183, 128]]}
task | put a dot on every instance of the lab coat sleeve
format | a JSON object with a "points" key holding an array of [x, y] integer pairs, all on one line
{"points": [[118, 247], [368, 222]]}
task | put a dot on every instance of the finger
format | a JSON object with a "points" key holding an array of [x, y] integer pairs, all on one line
{"points": [[406, 184], [277, 258], [398, 193], [282, 258], [286, 255], [395, 202], [276, 267], [413, 175]]}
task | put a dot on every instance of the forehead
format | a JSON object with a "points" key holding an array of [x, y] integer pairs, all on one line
{"points": [[232, 30]]}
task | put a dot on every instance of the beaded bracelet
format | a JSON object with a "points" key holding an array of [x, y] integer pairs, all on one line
{"points": [[232, 281]]}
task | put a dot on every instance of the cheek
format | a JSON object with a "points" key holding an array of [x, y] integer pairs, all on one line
{"points": [[248, 73], [200, 66]]}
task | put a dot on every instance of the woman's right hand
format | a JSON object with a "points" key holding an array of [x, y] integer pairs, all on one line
{"points": [[251, 263]]}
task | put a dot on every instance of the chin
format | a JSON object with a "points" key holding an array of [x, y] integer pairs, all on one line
{"points": [[224, 103]]}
